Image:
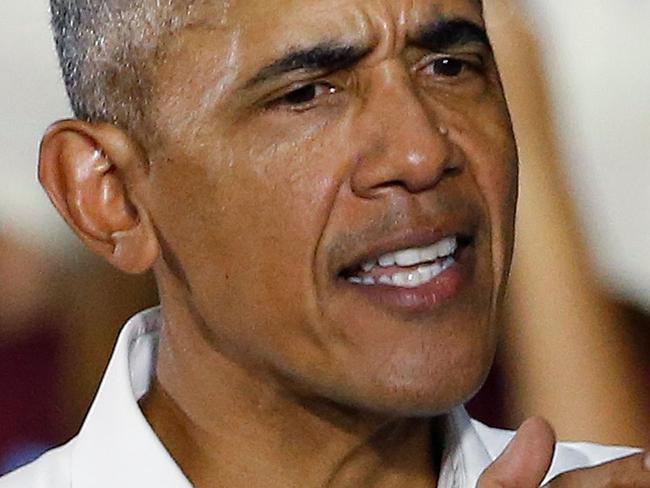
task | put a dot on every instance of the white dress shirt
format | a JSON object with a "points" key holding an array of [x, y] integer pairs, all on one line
{"points": [[116, 447]]}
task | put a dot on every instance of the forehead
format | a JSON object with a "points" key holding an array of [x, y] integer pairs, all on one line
{"points": [[264, 27], [291, 20]]}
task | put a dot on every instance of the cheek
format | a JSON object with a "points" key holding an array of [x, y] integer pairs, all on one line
{"points": [[495, 170], [481, 128], [280, 192], [486, 136], [246, 227], [484, 133]]}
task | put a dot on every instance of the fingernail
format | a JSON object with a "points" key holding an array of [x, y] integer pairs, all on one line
{"points": [[646, 461]]}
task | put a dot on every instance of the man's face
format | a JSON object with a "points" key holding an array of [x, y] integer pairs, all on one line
{"points": [[336, 181]]}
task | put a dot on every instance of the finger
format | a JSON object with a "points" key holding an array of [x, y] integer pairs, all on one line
{"points": [[631, 471], [525, 461]]}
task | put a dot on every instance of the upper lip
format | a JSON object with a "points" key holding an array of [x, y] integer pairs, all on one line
{"points": [[412, 237]]}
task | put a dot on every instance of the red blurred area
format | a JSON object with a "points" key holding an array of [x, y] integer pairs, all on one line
{"points": [[31, 413]]}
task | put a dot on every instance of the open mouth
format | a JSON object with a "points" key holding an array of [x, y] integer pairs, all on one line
{"points": [[409, 267]]}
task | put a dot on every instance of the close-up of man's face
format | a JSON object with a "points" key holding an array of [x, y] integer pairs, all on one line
{"points": [[333, 183], [298, 228]]}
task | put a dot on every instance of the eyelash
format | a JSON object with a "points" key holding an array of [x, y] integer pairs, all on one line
{"points": [[455, 62], [462, 62], [285, 100]]}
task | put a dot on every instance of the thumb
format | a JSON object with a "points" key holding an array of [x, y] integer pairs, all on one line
{"points": [[525, 461]]}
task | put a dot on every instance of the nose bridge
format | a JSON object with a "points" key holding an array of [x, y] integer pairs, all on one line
{"points": [[406, 146]]}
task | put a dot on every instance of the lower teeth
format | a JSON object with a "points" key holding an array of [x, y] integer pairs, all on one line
{"points": [[407, 279]]}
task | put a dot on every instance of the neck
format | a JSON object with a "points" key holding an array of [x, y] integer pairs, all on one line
{"points": [[226, 425]]}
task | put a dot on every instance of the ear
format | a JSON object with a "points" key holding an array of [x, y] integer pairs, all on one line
{"points": [[92, 174]]}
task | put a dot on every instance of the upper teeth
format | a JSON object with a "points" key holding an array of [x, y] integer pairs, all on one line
{"points": [[415, 255]]}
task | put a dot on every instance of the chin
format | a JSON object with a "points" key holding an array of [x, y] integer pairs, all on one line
{"points": [[431, 398], [415, 386]]}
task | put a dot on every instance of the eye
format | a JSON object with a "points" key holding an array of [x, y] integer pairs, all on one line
{"points": [[305, 96], [449, 67]]}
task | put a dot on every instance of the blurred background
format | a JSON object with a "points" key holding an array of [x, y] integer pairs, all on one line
{"points": [[576, 333]]}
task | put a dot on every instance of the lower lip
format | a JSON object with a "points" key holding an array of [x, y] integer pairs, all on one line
{"points": [[427, 297]]}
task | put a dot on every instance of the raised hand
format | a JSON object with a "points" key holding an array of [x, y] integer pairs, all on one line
{"points": [[526, 460]]}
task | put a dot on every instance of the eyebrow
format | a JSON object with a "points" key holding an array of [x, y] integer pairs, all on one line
{"points": [[326, 56], [448, 33], [330, 56]]}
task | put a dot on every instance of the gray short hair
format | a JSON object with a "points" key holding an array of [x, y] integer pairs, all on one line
{"points": [[104, 48]]}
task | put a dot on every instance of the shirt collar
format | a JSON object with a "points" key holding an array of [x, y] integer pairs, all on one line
{"points": [[117, 447], [465, 456]]}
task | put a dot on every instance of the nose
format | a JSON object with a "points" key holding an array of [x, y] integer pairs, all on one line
{"points": [[406, 146]]}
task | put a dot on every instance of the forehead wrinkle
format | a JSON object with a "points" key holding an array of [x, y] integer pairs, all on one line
{"points": [[392, 29], [282, 44], [441, 11]]}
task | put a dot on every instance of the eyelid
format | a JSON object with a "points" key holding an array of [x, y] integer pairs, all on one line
{"points": [[474, 60], [278, 99]]}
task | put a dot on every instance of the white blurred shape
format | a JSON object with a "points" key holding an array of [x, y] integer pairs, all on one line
{"points": [[597, 59], [31, 97]]}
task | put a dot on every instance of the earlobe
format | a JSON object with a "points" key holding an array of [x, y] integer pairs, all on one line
{"points": [[87, 169], [134, 251]]}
